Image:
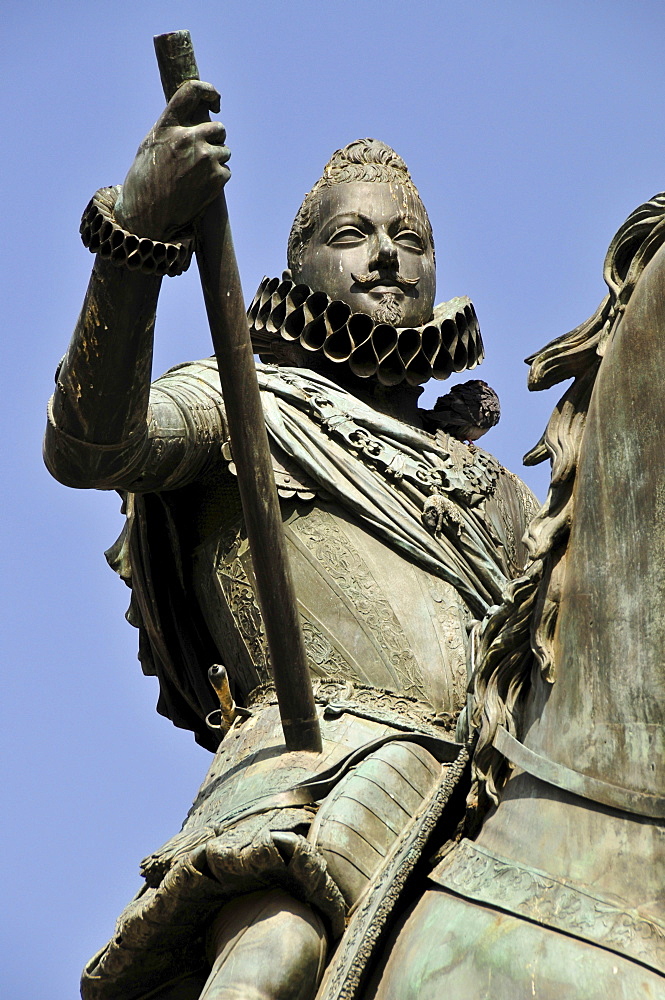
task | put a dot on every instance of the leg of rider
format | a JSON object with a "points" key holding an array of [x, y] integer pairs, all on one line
{"points": [[266, 945]]}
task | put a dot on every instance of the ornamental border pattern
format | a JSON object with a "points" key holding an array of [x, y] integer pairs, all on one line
{"points": [[346, 567], [246, 613], [344, 976], [479, 875]]}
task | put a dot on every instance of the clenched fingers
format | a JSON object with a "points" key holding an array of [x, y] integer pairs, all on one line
{"points": [[213, 133]]}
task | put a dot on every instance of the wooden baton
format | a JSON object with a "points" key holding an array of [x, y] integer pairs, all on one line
{"points": [[227, 317]]}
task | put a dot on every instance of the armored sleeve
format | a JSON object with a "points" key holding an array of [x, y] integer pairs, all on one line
{"points": [[179, 440]]}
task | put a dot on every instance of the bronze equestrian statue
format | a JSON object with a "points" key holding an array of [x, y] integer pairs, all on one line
{"points": [[294, 866]]}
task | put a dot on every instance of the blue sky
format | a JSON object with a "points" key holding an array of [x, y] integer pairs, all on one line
{"points": [[531, 127]]}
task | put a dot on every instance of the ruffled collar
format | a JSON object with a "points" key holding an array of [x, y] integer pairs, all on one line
{"points": [[283, 312]]}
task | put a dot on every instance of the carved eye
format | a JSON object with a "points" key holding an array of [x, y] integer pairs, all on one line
{"points": [[410, 240], [346, 236]]}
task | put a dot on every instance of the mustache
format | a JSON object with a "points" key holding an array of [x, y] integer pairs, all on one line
{"points": [[381, 277]]}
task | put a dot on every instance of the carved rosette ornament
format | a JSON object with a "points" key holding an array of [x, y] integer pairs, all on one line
{"points": [[284, 312]]}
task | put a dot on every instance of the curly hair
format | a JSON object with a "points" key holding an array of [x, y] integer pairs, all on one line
{"points": [[362, 160]]}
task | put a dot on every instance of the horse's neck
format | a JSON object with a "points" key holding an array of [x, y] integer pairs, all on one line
{"points": [[604, 715]]}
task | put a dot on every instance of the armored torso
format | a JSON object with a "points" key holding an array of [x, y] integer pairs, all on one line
{"points": [[368, 616], [397, 539]]}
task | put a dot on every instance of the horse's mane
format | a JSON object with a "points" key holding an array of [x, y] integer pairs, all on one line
{"points": [[516, 639]]}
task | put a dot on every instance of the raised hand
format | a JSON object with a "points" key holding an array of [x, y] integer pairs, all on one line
{"points": [[180, 166]]}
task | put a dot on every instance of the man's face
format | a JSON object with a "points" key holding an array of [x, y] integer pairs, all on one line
{"points": [[371, 249]]}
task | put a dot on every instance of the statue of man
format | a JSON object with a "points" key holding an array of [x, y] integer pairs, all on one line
{"points": [[399, 537]]}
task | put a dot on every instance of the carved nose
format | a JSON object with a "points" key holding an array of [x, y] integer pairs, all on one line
{"points": [[386, 252]]}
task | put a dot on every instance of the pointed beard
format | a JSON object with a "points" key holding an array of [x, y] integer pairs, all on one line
{"points": [[388, 310]]}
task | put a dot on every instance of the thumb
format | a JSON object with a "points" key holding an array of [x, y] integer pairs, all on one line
{"points": [[191, 104]]}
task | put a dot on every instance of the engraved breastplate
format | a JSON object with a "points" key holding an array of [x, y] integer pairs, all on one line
{"points": [[368, 614]]}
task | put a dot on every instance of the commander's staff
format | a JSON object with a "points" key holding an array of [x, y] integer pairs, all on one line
{"points": [[225, 307]]}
